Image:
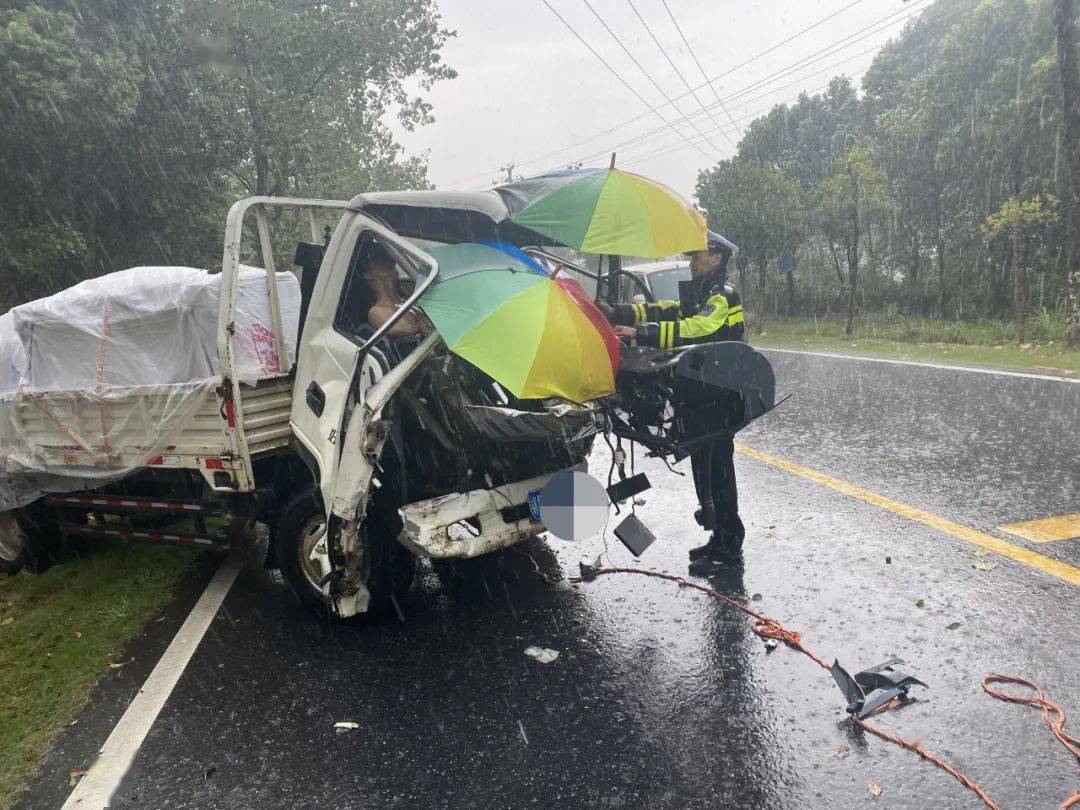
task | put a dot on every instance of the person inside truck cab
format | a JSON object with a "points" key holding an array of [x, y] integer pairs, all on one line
{"points": [[380, 294]]}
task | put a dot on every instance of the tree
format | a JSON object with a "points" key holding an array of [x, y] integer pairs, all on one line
{"points": [[1065, 28], [848, 198], [127, 126], [302, 96], [1021, 222], [758, 207]]}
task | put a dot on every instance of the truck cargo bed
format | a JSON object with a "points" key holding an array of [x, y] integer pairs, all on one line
{"points": [[194, 426]]}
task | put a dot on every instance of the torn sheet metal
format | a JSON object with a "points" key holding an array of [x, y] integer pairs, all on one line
{"points": [[565, 422]]}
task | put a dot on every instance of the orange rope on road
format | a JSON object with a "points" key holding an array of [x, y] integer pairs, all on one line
{"points": [[1055, 722], [769, 628]]}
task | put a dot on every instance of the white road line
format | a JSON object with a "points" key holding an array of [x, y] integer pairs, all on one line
{"points": [[946, 366], [95, 790]]}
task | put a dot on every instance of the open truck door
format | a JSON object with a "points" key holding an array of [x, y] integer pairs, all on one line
{"points": [[344, 381]]}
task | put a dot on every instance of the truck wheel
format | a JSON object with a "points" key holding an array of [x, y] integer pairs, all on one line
{"points": [[29, 538], [303, 525]]}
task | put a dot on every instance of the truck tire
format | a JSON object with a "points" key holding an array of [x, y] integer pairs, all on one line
{"points": [[30, 539], [303, 524]]}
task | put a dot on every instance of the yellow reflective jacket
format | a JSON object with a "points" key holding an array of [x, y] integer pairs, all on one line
{"points": [[664, 325]]}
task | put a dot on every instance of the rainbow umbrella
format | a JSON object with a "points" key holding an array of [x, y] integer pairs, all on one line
{"points": [[537, 336], [606, 211]]}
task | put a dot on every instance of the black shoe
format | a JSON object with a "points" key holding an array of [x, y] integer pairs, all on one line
{"points": [[709, 566], [697, 552]]}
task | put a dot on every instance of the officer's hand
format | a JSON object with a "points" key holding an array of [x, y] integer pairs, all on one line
{"points": [[606, 308], [626, 333]]}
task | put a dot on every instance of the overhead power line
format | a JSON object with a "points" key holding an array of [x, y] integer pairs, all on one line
{"points": [[839, 45], [644, 72], [678, 72], [637, 118], [697, 62], [618, 76], [671, 147]]}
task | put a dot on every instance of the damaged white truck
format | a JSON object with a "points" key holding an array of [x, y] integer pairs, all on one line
{"points": [[163, 396]]}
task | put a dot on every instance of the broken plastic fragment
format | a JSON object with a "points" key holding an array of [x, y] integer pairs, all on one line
{"points": [[541, 654], [589, 567], [345, 727]]}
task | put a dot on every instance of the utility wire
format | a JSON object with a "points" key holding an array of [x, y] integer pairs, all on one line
{"points": [[618, 76], [644, 72], [675, 67], [642, 115], [675, 147], [704, 75], [806, 61]]}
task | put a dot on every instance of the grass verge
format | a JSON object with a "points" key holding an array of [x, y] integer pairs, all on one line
{"points": [[969, 344], [60, 630]]}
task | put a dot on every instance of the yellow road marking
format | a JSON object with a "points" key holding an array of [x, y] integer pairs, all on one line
{"points": [[1048, 565], [1047, 530]]}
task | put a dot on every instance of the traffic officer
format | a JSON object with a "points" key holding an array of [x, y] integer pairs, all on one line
{"points": [[715, 314]]}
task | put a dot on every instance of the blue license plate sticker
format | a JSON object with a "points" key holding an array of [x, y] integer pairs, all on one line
{"points": [[534, 504]]}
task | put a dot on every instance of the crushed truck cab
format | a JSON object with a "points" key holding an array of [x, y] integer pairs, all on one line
{"points": [[362, 447]]}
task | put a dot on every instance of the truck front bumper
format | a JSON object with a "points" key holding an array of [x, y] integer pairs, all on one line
{"points": [[469, 524]]}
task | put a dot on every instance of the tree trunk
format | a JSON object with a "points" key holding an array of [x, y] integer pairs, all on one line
{"points": [[1065, 25], [853, 254], [1020, 294], [763, 263], [913, 272]]}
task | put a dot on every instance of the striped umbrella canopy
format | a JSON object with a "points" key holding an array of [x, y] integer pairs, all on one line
{"points": [[607, 211], [537, 336]]}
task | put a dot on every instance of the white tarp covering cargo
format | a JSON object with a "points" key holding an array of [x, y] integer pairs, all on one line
{"points": [[150, 326], [98, 379]]}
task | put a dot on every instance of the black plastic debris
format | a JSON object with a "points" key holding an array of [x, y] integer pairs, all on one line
{"points": [[628, 487], [874, 687], [635, 535]]}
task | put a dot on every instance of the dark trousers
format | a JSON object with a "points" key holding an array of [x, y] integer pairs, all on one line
{"points": [[702, 411], [718, 493]]}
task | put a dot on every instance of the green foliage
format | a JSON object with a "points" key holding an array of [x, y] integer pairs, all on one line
{"points": [[761, 209], [59, 631], [128, 126], [959, 114]]}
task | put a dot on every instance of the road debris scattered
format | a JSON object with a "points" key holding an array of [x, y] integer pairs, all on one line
{"points": [[345, 726], [541, 654], [874, 788]]}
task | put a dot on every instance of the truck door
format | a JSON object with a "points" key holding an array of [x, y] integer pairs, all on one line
{"points": [[338, 342]]}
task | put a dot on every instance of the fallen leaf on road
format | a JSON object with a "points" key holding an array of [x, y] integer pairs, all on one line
{"points": [[345, 727], [921, 603], [563, 586], [953, 626], [842, 751], [984, 566], [874, 788], [209, 770], [120, 665], [982, 552]]}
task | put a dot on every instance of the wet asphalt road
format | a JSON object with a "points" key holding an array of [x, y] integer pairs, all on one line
{"points": [[662, 697]]}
